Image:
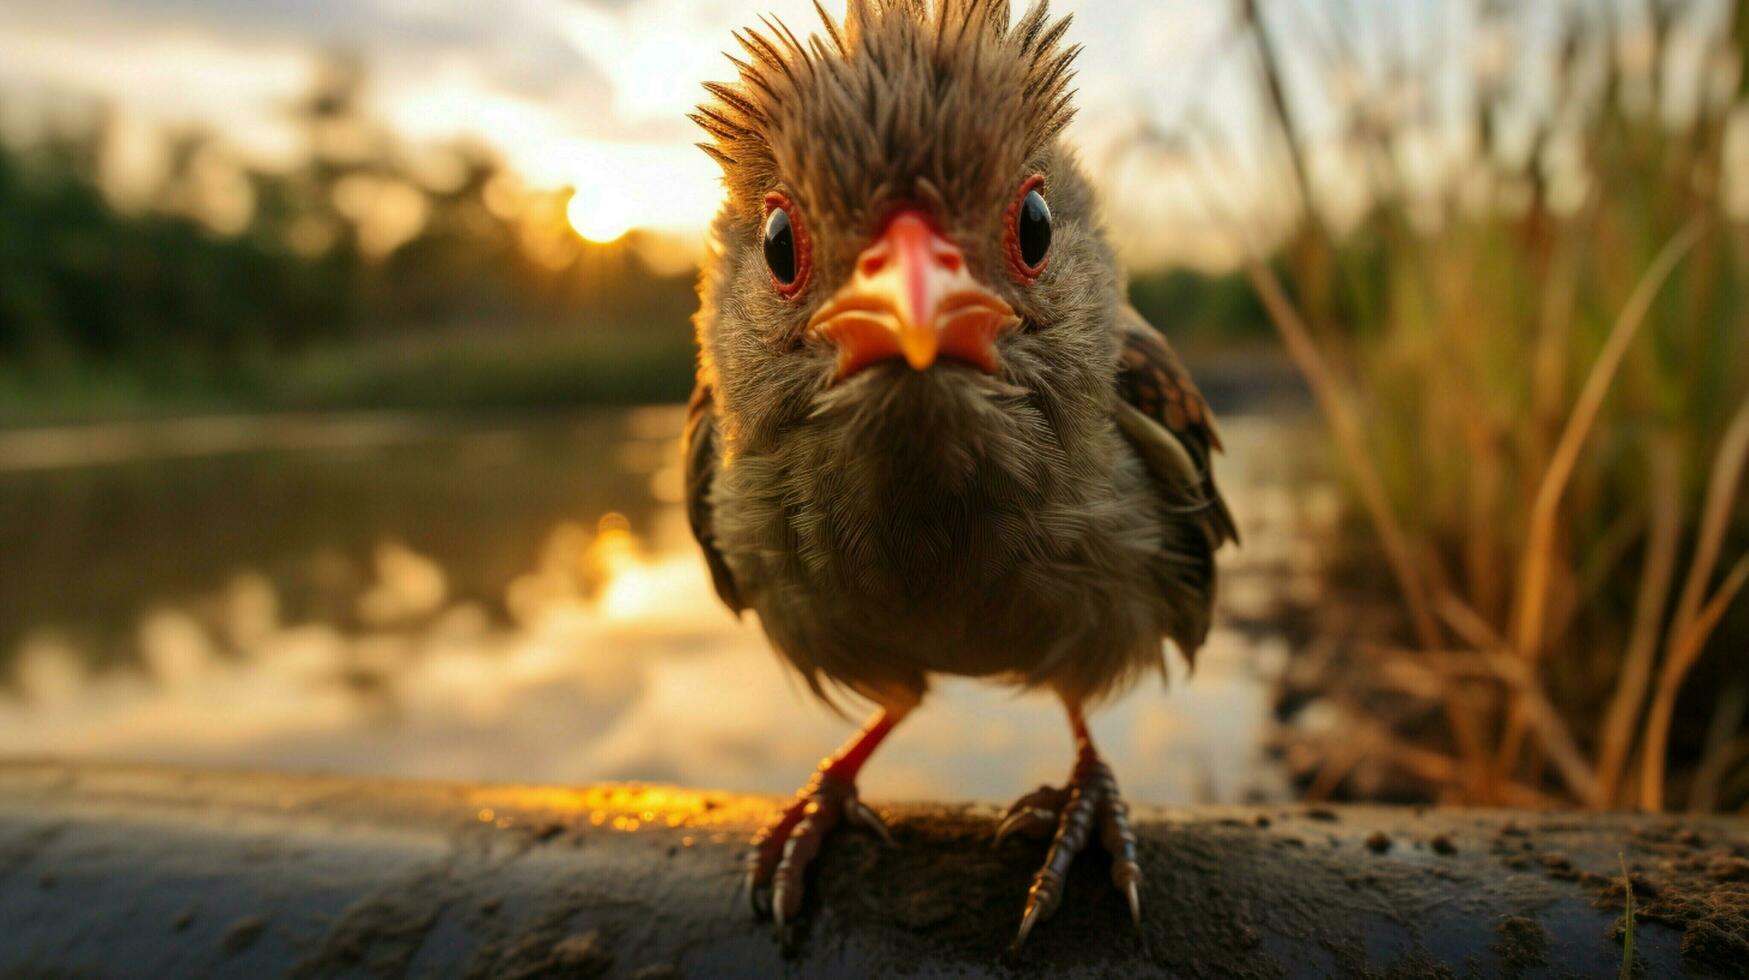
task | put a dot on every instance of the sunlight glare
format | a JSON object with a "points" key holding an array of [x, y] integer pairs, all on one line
{"points": [[601, 215]]}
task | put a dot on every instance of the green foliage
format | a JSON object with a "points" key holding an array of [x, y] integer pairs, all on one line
{"points": [[507, 369], [1198, 305], [612, 367], [172, 304], [77, 278]]}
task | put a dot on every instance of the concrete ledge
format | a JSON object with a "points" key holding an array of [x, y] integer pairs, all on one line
{"points": [[110, 870]]}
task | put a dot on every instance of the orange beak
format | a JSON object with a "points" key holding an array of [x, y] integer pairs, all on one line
{"points": [[912, 297]]}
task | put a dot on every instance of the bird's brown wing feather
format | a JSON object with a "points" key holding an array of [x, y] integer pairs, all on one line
{"points": [[702, 455], [1154, 382], [1164, 418]]}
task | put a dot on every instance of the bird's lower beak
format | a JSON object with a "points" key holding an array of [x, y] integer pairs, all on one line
{"points": [[912, 297]]}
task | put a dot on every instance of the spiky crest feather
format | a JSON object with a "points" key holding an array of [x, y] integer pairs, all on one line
{"points": [[898, 91]]}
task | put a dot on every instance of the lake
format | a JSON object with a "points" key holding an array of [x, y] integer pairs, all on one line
{"points": [[517, 598]]}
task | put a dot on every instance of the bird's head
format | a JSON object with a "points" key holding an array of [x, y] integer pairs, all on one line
{"points": [[901, 215]]}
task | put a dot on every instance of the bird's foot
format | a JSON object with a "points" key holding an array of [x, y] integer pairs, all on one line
{"points": [[779, 858], [1070, 816]]}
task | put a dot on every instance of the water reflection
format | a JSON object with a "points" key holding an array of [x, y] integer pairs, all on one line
{"points": [[601, 655]]}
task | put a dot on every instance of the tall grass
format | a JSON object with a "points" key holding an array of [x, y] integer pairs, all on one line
{"points": [[1627, 933], [1530, 338]]}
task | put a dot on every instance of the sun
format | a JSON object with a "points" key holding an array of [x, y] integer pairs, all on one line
{"points": [[600, 215]]}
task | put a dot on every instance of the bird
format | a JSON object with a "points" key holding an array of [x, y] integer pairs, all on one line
{"points": [[929, 436]]}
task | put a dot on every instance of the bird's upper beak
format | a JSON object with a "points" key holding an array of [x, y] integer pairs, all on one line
{"points": [[912, 297]]}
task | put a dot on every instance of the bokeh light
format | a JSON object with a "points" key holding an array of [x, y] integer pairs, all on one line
{"points": [[600, 215]]}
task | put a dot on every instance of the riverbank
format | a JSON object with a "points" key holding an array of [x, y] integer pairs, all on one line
{"points": [[460, 371], [472, 371]]}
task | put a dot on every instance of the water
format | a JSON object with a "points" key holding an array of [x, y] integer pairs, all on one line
{"points": [[519, 599]]}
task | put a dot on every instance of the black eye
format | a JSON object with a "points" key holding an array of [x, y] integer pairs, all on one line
{"points": [[780, 248], [787, 253], [1033, 228], [1027, 239]]}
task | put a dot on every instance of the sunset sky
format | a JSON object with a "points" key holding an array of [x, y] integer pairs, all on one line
{"points": [[593, 93], [585, 92]]}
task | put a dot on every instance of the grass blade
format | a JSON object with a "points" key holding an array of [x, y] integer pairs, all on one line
{"points": [[1627, 938], [1540, 541]]}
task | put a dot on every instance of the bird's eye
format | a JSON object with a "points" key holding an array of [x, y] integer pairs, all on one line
{"points": [[780, 247], [786, 246], [1029, 231]]}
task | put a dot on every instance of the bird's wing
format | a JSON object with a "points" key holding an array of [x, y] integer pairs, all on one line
{"points": [[702, 455], [1163, 415], [1165, 420]]}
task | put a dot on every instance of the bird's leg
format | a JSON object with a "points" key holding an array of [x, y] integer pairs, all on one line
{"points": [[1089, 804], [783, 850]]}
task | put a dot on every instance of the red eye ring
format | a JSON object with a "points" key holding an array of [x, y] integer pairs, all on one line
{"points": [[1023, 272], [803, 246]]}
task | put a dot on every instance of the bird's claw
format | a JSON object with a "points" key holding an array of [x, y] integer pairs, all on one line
{"points": [[860, 814], [1033, 816], [748, 884], [1033, 822], [1027, 921], [781, 853], [1090, 802]]}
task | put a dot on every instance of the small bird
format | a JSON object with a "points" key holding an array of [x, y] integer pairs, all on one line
{"points": [[929, 435]]}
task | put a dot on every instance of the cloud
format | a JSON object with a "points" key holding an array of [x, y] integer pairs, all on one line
{"points": [[513, 46], [569, 90], [646, 679]]}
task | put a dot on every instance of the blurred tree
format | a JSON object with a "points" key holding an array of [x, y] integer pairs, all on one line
{"points": [[363, 238], [79, 278]]}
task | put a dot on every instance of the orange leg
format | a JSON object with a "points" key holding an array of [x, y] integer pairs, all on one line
{"points": [[1070, 816], [783, 850]]}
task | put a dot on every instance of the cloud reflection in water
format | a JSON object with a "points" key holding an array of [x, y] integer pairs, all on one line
{"points": [[617, 663]]}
